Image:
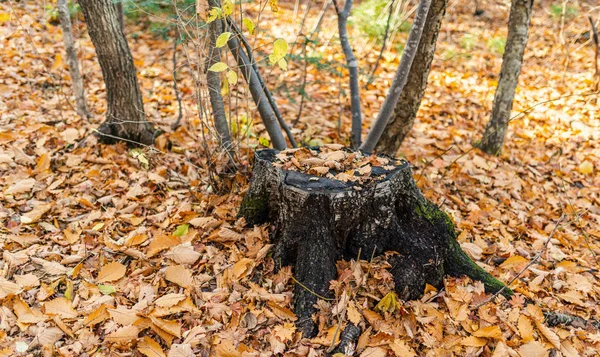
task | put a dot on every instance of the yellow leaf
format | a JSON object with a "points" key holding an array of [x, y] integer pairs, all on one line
{"points": [[218, 67], [222, 39], [227, 7], [513, 261], [282, 63], [586, 168], [149, 347], [111, 272], [525, 328], [274, 5], [213, 14], [4, 17], [353, 314], [224, 87], [97, 316], [489, 332], [57, 62], [280, 49], [389, 303], [249, 25], [232, 77]]}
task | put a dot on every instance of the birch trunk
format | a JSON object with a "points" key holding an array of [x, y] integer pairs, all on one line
{"points": [[352, 64], [72, 62], [518, 33]]}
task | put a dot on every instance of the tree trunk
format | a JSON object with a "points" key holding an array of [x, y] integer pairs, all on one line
{"points": [[400, 78], [518, 32], [125, 118], [318, 222], [410, 100], [214, 87], [72, 62], [352, 63]]}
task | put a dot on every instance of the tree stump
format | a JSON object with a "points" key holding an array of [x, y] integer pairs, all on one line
{"points": [[319, 221]]}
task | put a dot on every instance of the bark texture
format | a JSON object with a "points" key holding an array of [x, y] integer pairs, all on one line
{"points": [[125, 118], [406, 109], [352, 63], [400, 78], [72, 62], [518, 33], [214, 85], [320, 222]]}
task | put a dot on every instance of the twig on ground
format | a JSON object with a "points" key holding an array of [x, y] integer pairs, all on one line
{"points": [[533, 261]]}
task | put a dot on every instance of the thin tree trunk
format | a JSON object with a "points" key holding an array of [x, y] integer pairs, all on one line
{"points": [[352, 63], [518, 32], [72, 62], [400, 78], [125, 118], [408, 105], [263, 85], [214, 84], [267, 113], [383, 45], [121, 14]]}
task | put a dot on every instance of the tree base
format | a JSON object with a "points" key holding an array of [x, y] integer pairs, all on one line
{"points": [[134, 135], [319, 221]]}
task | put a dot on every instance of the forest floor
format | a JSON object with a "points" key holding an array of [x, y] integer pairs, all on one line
{"points": [[108, 250]]}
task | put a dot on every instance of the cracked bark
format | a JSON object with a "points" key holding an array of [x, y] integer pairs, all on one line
{"points": [[512, 60], [320, 222], [406, 109], [125, 117]]}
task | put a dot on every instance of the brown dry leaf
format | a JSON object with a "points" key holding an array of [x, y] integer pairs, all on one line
{"points": [[160, 243], [181, 350], [46, 337], [123, 316], [169, 300], [353, 314], [8, 288], [533, 349], [150, 348], [402, 349], [374, 352], [489, 332], [473, 341], [225, 348], [20, 186], [183, 254], [501, 350], [52, 268], [111, 272], [515, 262], [179, 275], [550, 335], [376, 321], [170, 326], [25, 314], [123, 335], [60, 307], [97, 316], [36, 213], [525, 328]]}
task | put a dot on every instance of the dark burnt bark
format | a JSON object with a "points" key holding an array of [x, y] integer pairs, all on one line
{"points": [[125, 118], [408, 105], [518, 34], [318, 222]]}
